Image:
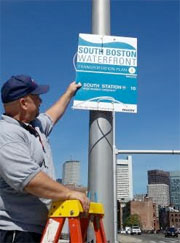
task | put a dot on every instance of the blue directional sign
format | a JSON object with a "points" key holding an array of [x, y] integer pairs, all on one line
{"points": [[107, 69]]}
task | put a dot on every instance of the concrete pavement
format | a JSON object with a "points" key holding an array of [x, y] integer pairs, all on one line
{"points": [[123, 238]]}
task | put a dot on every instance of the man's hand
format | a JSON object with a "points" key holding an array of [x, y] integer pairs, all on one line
{"points": [[85, 202], [72, 88], [57, 110]]}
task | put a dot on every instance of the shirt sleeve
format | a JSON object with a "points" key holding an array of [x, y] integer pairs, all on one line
{"points": [[16, 165]]}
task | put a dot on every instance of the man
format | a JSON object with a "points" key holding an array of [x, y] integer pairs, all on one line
{"points": [[27, 181]]}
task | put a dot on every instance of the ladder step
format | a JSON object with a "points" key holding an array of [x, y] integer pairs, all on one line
{"points": [[73, 208]]}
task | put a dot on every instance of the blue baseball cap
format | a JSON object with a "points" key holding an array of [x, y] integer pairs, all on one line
{"points": [[19, 86]]}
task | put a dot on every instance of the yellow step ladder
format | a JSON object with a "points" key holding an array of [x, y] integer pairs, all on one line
{"points": [[78, 222]]}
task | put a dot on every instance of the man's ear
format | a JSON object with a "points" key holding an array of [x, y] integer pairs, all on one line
{"points": [[23, 103]]}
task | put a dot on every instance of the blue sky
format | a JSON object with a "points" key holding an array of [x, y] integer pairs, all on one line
{"points": [[40, 38]]}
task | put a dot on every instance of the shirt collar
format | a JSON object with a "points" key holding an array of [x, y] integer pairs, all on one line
{"points": [[9, 119]]}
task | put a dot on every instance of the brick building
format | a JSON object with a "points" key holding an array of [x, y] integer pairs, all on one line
{"points": [[174, 219], [169, 217], [146, 210]]}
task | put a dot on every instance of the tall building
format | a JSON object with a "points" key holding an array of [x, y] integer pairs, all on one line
{"points": [[175, 189], [71, 172], [158, 177], [124, 180], [159, 193], [158, 187]]}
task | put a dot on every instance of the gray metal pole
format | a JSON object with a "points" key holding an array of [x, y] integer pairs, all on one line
{"points": [[115, 178], [100, 172], [101, 17], [175, 152]]}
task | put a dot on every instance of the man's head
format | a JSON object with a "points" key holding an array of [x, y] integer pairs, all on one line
{"points": [[19, 86], [20, 96]]}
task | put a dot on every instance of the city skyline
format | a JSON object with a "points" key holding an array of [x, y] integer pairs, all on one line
{"points": [[157, 177], [40, 38]]}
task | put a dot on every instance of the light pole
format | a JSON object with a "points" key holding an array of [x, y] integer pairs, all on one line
{"points": [[100, 171]]}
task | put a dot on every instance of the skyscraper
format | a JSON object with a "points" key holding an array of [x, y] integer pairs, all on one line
{"points": [[175, 189], [124, 179], [71, 172], [158, 187], [159, 193], [158, 177]]}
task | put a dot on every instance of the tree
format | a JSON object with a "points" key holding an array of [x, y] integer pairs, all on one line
{"points": [[131, 220]]}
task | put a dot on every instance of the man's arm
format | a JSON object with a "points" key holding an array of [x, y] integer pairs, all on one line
{"points": [[57, 110], [43, 186]]}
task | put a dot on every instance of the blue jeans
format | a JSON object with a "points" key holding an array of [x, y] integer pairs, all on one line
{"points": [[15, 236]]}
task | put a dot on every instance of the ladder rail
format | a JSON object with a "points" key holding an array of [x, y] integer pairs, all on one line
{"points": [[75, 230]]}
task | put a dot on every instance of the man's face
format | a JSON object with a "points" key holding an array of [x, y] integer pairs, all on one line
{"points": [[32, 106]]}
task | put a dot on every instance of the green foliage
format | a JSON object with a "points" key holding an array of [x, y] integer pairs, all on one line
{"points": [[131, 220]]}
